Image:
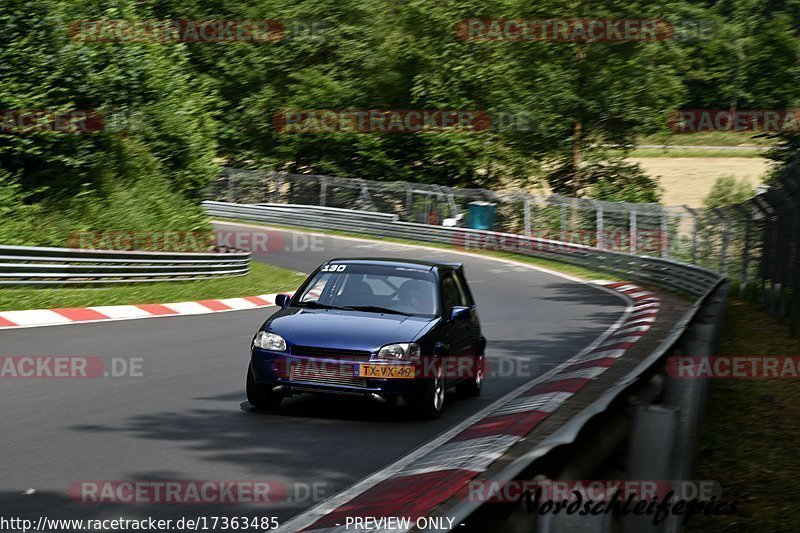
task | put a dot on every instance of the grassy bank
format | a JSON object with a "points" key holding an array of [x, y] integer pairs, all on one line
{"points": [[262, 279], [751, 432]]}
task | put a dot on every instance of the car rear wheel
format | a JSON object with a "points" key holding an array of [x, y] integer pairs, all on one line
{"points": [[259, 395], [429, 404], [473, 386]]}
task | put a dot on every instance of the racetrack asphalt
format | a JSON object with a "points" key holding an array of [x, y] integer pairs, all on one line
{"points": [[186, 416]]}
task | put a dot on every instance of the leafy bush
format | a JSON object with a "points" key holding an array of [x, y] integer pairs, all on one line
{"points": [[728, 190], [619, 181]]}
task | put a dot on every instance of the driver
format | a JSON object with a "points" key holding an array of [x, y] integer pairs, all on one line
{"points": [[415, 294]]}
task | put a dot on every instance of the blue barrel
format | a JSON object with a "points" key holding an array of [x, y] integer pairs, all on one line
{"points": [[480, 215]]}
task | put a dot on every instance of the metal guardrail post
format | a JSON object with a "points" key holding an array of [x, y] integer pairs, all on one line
{"points": [[689, 395], [653, 447]]}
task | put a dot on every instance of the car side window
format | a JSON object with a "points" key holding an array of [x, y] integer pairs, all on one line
{"points": [[462, 292], [450, 294], [313, 294]]}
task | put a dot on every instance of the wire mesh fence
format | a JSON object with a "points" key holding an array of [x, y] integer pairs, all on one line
{"points": [[755, 243], [625, 227]]}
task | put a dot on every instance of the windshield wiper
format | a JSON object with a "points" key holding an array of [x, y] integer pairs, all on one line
{"points": [[317, 305], [376, 309]]}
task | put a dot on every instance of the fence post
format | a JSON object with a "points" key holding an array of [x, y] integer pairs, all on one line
{"points": [[746, 249], [723, 254], [451, 201], [793, 189], [365, 193], [230, 187], [323, 190], [664, 234], [599, 224], [765, 209], [278, 185], [695, 220], [527, 216], [634, 244], [427, 211]]}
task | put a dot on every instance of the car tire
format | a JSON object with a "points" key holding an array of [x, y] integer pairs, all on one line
{"points": [[429, 404], [472, 387], [261, 396]]}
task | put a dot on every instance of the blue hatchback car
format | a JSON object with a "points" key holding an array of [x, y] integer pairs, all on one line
{"points": [[375, 328]]}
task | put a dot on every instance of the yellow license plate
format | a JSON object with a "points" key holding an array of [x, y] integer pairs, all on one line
{"points": [[386, 371]]}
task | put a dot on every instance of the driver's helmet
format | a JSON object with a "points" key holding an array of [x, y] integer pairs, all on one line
{"points": [[415, 293]]}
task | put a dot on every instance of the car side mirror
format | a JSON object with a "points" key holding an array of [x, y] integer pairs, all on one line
{"points": [[459, 312], [282, 300]]}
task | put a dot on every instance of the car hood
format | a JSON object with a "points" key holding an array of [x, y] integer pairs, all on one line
{"points": [[352, 330]]}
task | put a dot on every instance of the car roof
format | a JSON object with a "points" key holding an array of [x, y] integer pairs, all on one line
{"points": [[388, 261]]}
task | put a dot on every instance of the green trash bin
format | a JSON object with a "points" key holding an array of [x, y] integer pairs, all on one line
{"points": [[480, 215]]}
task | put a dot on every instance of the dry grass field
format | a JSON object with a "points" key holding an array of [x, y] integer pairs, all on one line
{"points": [[687, 180]]}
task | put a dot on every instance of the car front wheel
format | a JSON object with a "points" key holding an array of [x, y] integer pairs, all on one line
{"points": [[429, 404], [259, 395]]}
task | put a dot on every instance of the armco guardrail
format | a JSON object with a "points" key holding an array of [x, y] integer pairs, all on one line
{"points": [[657, 416], [644, 408], [661, 272], [28, 265]]}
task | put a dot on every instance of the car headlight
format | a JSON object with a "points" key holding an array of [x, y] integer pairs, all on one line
{"points": [[269, 341], [404, 351]]}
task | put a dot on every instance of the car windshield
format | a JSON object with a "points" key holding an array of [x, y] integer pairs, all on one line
{"points": [[372, 288]]}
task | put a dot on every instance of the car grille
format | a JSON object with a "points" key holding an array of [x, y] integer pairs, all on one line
{"points": [[326, 374], [333, 353]]}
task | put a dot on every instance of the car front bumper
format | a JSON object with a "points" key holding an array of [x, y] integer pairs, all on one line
{"points": [[327, 376]]}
